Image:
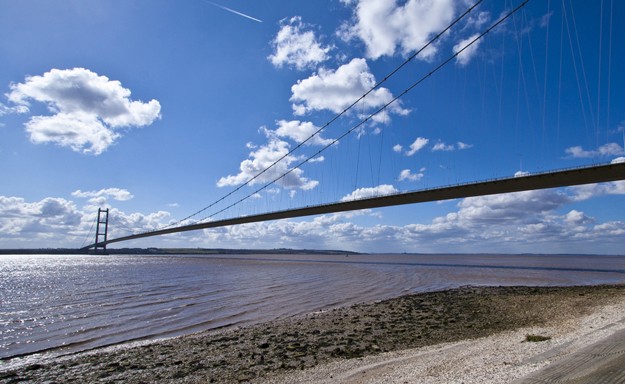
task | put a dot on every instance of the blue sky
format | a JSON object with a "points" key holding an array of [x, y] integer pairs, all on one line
{"points": [[156, 109]]}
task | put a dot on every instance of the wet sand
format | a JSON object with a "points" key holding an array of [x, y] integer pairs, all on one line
{"points": [[440, 325]]}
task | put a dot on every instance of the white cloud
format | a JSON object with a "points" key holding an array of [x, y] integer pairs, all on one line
{"points": [[528, 221], [300, 131], [363, 193], [477, 22], [618, 160], [6, 110], [468, 51], [515, 207], [578, 152], [385, 27], [118, 194], [29, 222], [610, 149], [521, 173], [614, 228], [421, 142], [577, 218], [78, 131], [296, 46], [122, 224], [317, 159], [263, 157], [57, 222], [407, 174], [337, 90], [417, 145], [587, 191], [440, 146], [87, 109]]}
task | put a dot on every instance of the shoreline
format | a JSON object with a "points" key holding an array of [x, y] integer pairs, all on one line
{"points": [[342, 336]]}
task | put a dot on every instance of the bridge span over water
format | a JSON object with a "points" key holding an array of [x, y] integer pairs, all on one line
{"points": [[544, 180]]}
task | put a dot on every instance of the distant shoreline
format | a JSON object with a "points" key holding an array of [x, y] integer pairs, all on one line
{"points": [[245, 251], [174, 251]]}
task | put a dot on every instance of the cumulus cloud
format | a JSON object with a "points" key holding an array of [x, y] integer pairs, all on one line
{"points": [[137, 222], [576, 217], [618, 160], [515, 207], [296, 45], [363, 193], [300, 131], [609, 149], [337, 90], [25, 220], [78, 131], [531, 221], [386, 27], [118, 194], [88, 109], [263, 157], [587, 191], [407, 174], [57, 222], [397, 148], [468, 51], [417, 145]]}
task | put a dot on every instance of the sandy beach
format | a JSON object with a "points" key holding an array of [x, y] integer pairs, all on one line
{"points": [[469, 335]]}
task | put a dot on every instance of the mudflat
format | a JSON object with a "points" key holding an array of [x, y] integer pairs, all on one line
{"points": [[269, 351]]}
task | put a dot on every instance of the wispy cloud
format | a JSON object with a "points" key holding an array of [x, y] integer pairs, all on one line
{"points": [[609, 149], [417, 145], [235, 12]]}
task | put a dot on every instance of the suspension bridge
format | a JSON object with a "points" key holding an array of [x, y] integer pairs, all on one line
{"points": [[596, 173], [554, 179]]}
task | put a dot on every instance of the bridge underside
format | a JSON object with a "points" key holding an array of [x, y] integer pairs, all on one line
{"points": [[563, 178]]}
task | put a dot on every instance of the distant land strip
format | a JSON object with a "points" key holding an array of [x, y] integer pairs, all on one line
{"points": [[176, 251]]}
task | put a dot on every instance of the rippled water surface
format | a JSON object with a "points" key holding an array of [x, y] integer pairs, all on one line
{"points": [[60, 304]]}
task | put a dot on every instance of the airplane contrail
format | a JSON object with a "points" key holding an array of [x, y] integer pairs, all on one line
{"points": [[235, 12]]}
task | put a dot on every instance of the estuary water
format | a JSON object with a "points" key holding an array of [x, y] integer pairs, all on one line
{"points": [[57, 304]]}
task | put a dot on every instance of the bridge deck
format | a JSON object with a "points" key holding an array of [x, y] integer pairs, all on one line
{"points": [[562, 178]]}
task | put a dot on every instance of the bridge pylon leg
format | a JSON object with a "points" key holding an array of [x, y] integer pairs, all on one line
{"points": [[101, 232]]}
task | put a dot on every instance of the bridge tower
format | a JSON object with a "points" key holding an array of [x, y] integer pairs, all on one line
{"points": [[101, 232]]}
